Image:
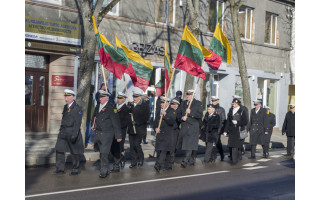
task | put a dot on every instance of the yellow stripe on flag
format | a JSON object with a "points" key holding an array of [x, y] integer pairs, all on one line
{"points": [[103, 38], [133, 55], [188, 37], [167, 57], [224, 41]]}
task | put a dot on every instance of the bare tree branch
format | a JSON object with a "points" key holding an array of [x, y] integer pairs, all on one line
{"points": [[90, 4], [97, 9], [106, 10]]}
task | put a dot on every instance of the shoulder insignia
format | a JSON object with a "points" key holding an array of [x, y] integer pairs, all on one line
{"points": [[115, 110], [174, 112]]}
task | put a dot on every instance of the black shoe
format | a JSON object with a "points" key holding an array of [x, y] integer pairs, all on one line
{"points": [[115, 170], [252, 157], [167, 169], [157, 168], [58, 172], [104, 175], [222, 157], [132, 166], [140, 164], [74, 172], [183, 165], [267, 155]]}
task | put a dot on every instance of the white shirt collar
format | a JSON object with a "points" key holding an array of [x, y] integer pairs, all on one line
{"points": [[101, 106], [235, 110], [120, 106], [137, 103], [69, 105], [257, 110]]}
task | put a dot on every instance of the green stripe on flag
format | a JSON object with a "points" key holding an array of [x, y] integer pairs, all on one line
{"points": [[191, 52], [218, 48], [141, 71], [166, 65]]}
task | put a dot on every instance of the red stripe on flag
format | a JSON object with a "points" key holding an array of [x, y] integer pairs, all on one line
{"points": [[107, 62], [141, 83], [189, 65], [214, 61]]}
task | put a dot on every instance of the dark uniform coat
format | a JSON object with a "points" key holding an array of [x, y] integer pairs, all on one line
{"points": [[141, 116], [107, 126], [234, 130], [270, 122], [124, 118], [176, 129], [69, 137], [257, 126], [164, 139], [288, 126], [190, 129], [222, 114], [210, 129]]}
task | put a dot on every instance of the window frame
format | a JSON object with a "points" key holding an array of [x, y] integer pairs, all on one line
{"points": [[217, 13], [276, 29], [245, 25], [115, 7], [167, 18]]}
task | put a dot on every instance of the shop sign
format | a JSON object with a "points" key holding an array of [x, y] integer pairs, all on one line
{"points": [[147, 49], [52, 31], [59, 80], [52, 47]]}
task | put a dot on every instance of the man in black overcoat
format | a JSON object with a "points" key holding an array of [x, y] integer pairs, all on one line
{"points": [[190, 128], [164, 135], [257, 127], [69, 137], [270, 122], [288, 128], [117, 148], [106, 124], [140, 111]]}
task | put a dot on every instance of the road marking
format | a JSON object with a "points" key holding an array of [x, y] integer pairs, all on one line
{"points": [[283, 153], [263, 160], [275, 156], [258, 167], [250, 164], [124, 184]]}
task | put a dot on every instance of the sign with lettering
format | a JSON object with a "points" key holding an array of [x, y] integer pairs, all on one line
{"points": [[60, 80], [52, 31], [144, 49]]}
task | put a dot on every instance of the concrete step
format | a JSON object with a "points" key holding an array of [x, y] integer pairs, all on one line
{"points": [[39, 135]]}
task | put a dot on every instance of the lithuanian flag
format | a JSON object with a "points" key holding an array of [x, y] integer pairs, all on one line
{"points": [[143, 68], [190, 55], [110, 58], [159, 88], [220, 45], [167, 67]]}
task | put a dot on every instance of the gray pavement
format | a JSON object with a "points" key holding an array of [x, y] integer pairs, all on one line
{"points": [[39, 148]]}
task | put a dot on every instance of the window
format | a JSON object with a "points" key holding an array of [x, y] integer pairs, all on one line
{"points": [[270, 28], [165, 11], [216, 14], [114, 11], [245, 22]]}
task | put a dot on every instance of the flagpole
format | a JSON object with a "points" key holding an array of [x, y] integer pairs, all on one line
{"points": [[104, 78], [125, 84], [165, 87], [166, 97]]}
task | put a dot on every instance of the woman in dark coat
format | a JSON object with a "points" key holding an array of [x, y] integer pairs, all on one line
{"points": [[209, 132], [236, 121]]}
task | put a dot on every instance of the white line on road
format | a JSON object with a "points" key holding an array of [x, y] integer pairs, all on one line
{"points": [[123, 184], [258, 167], [263, 160], [275, 156], [250, 164]]}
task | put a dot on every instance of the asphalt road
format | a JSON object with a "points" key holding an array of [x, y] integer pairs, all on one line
{"points": [[272, 178]]}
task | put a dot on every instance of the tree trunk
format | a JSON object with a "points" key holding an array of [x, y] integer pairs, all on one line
{"points": [[240, 54]]}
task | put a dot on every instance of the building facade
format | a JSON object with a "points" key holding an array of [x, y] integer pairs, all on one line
{"points": [[53, 51]]}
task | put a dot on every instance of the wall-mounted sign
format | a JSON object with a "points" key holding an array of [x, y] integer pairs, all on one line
{"points": [[59, 80], [147, 49], [52, 31], [52, 47]]}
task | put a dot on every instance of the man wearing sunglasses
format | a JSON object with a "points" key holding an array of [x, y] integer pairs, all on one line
{"points": [[288, 128]]}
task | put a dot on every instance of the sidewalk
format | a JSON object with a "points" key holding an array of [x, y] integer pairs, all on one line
{"points": [[39, 148]]}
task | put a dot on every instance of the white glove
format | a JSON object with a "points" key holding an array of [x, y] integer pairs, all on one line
{"points": [[225, 134], [234, 122]]}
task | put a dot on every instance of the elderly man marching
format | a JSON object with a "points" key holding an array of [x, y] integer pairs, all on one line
{"points": [[257, 127], [288, 128], [270, 122], [140, 111], [190, 128], [106, 123], [69, 137], [164, 138], [222, 114]]}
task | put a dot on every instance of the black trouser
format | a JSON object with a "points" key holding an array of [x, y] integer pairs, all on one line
{"points": [[104, 163], [190, 157], [236, 155], [116, 152], [145, 137], [123, 137], [219, 146], [265, 148], [254, 148], [136, 152], [60, 161], [163, 159], [210, 154], [290, 144]]}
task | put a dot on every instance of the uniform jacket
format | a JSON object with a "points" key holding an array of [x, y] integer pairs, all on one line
{"points": [[69, 137], [141, 116], [222, 114], [270, 122], [190, 129], [164, 139], [288, 126], [176, 128], [108, 127], [210, 128], [124, 118], [257, 126], [234, 130]]}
